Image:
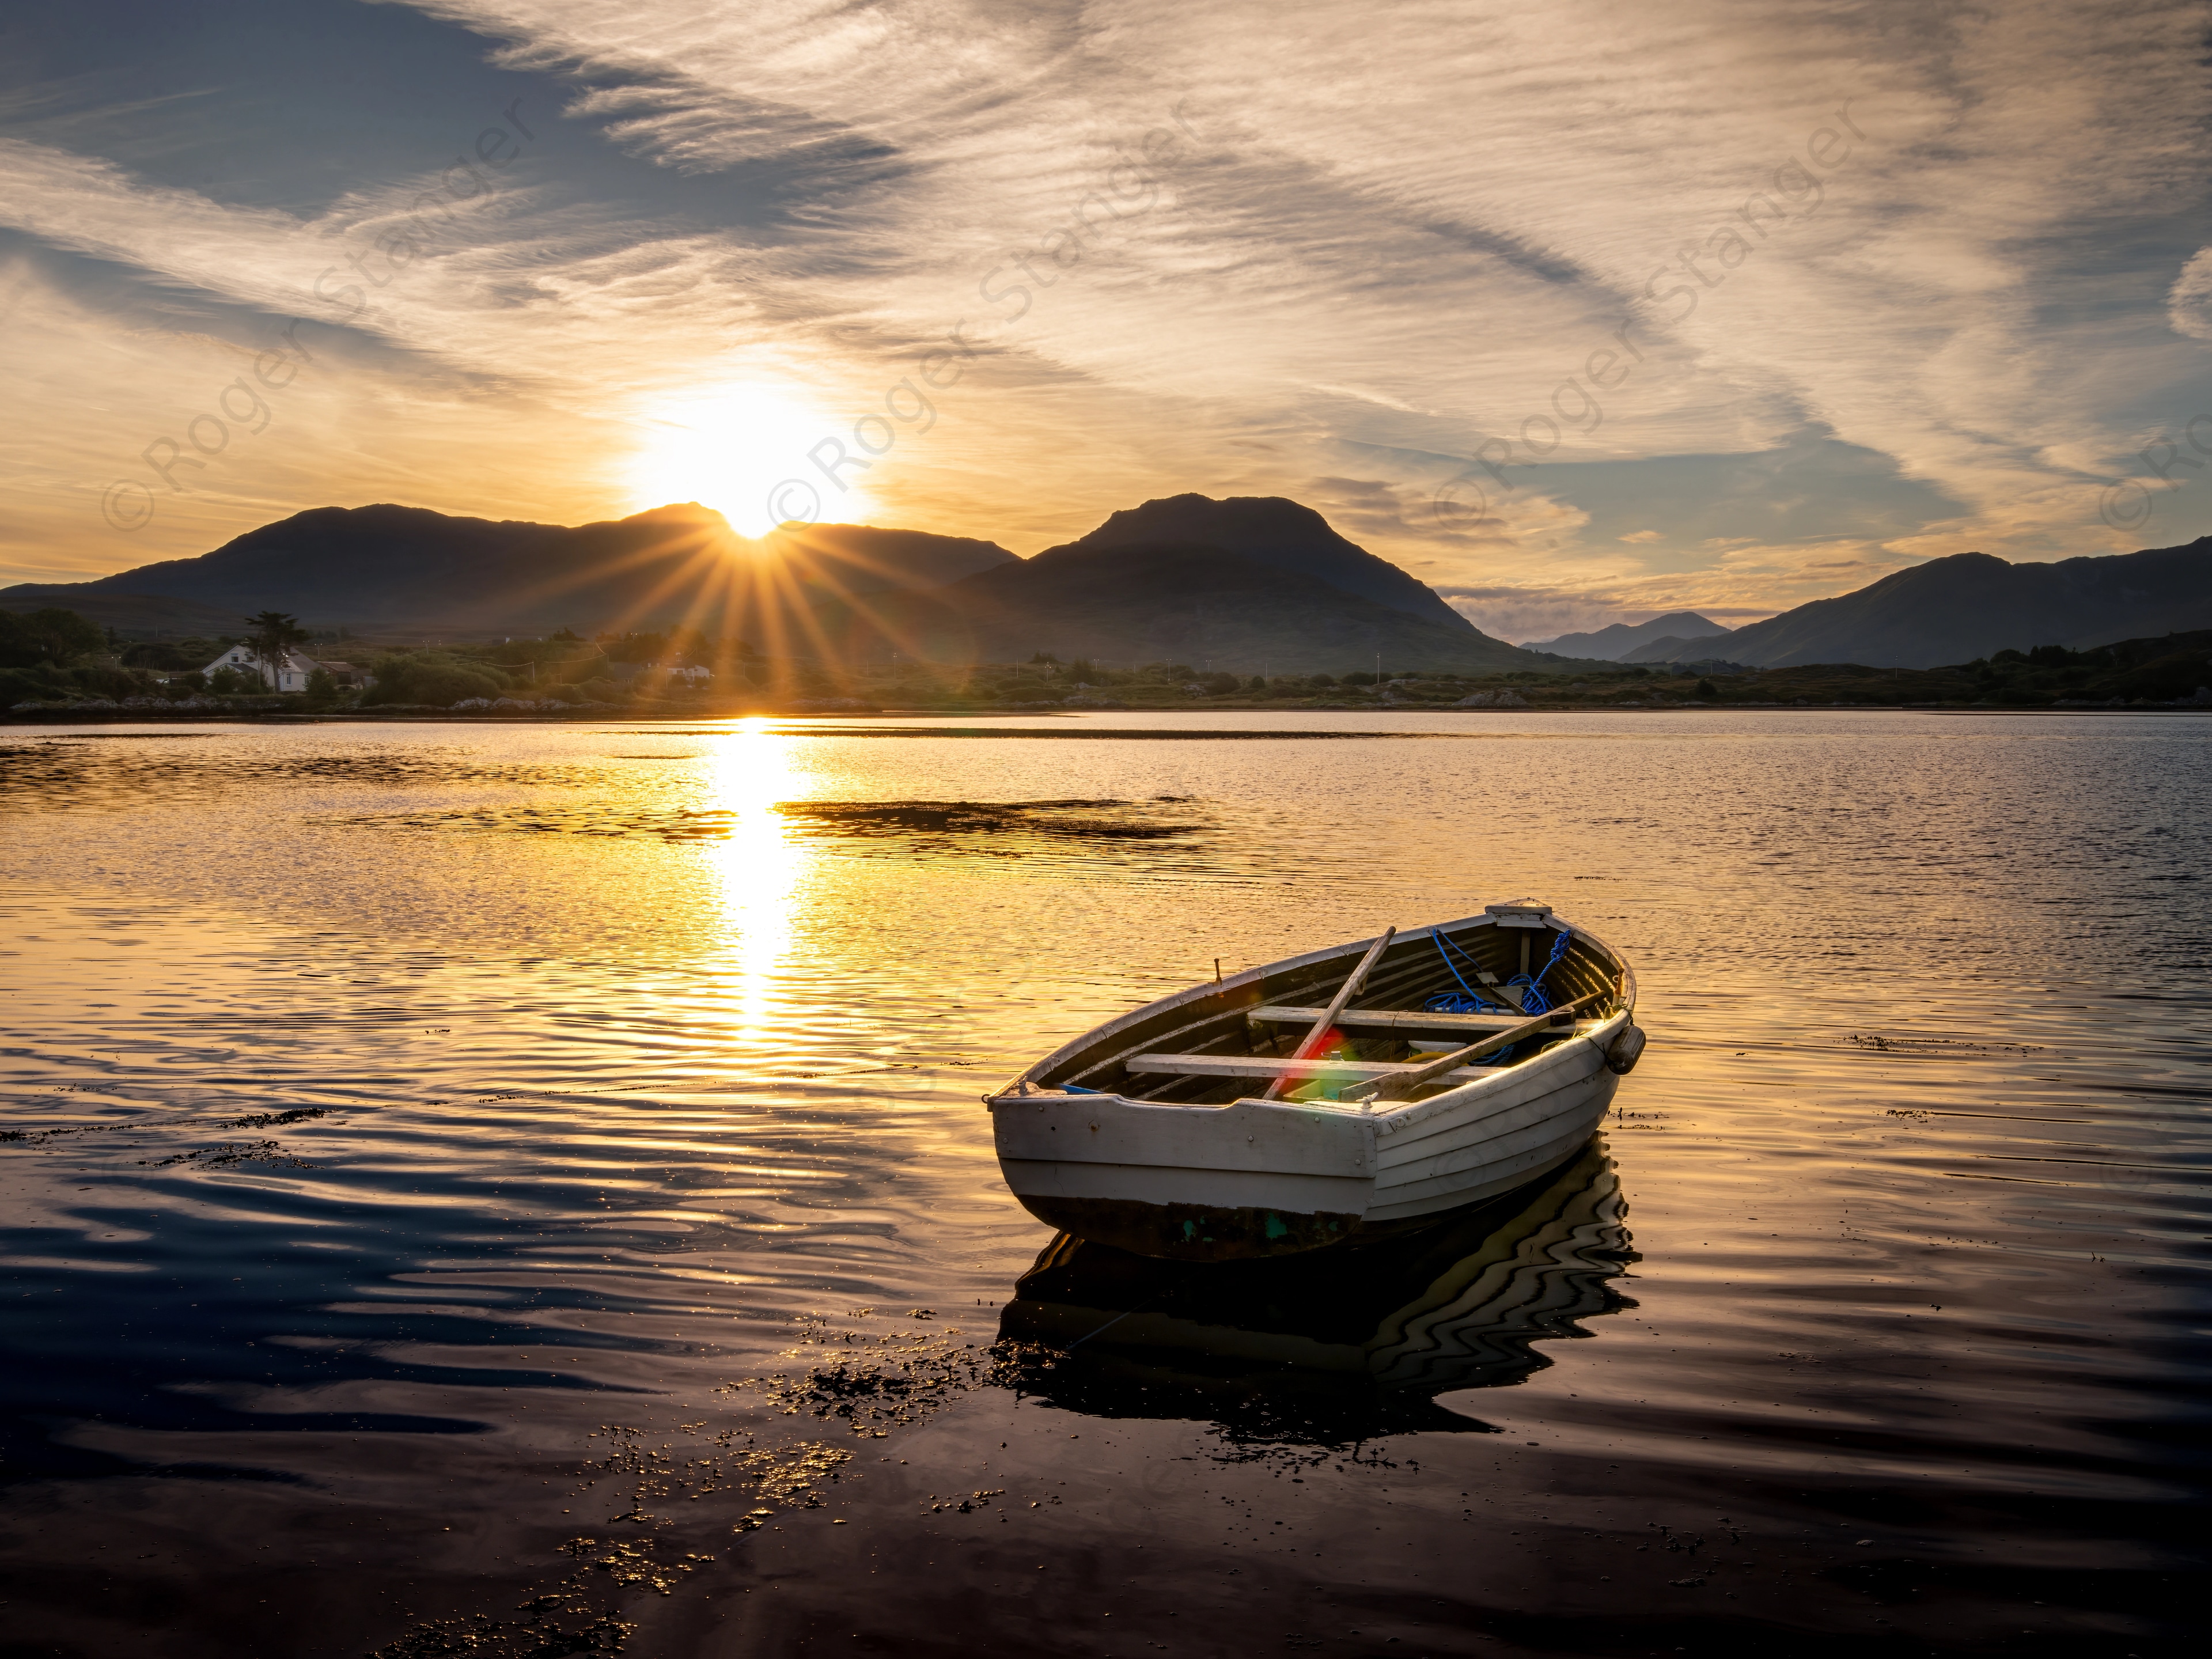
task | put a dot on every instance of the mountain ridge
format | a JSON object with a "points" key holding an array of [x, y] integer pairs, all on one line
{"points": [[385, 565], [1968, 606], [1276, 532], [1614, 643], [1255, 583]]}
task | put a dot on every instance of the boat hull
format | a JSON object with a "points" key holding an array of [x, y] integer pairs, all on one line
{"points": [[1233, 1183], [1259, 1178]]}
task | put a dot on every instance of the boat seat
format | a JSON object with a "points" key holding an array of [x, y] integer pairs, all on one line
{"points": [[1336, 1071], [1399, 1019]]}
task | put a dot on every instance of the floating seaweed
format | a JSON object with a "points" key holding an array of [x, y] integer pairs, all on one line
{"points": [[1043, 820]]}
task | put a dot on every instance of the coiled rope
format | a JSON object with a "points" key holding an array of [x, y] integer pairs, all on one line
{"points": [[1468, 1000]]}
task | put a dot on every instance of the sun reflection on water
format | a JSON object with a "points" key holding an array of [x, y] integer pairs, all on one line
{"points": [[756, 867]]}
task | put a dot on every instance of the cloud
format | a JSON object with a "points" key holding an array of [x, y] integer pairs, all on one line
{"points": [[2189, 302], [1410, 264]]}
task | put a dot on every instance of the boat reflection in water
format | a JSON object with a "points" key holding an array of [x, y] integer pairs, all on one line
{"points": [[1338, 1344]]}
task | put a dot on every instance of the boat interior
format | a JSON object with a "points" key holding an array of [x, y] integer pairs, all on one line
{"points": [[1449, 993]]}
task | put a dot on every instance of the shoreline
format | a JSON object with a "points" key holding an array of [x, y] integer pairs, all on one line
{"points": [[278, 717]]}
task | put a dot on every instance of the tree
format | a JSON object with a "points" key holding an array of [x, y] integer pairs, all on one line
{"points": [[272, 639], [1707, 689], [54, 635]]}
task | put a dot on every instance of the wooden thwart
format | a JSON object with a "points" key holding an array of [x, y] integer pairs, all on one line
{"points": [[1387, 1019], [1297, 1070], [1345, 993], [1400, 1084]]}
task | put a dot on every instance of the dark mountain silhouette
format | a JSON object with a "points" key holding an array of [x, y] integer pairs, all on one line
{"points": [[1189, 602], [1281, 535], [1614, 644], [1674, 647], [372, 566], [1291, 596], [1970, 604]]}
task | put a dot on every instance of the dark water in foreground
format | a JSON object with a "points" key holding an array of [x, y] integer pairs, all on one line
{"points": [[514, 1191]]}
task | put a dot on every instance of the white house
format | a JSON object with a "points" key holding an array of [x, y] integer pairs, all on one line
{"points": [[291, 674]]}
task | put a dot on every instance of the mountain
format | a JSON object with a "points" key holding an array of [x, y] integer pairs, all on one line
{"points": [[1614, 644], [408, 566], [1970, 604], [1281, 535], [1253, 585], [1121, 605], [130, 613], [1697, 647]]}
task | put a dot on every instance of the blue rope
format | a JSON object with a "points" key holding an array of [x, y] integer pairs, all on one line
{"points": [[1468, 1000], [1533, 998], [1472, 1001]]}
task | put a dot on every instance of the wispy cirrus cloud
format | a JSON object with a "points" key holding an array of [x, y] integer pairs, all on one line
{"points": [[1380, 244]]}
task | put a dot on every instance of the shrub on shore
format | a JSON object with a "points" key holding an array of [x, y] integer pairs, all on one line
{"points": [[436, 679]]}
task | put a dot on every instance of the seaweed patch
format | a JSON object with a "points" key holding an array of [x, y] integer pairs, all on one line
{"points": [[945, 824], [229, 1153], [875, 1383]]}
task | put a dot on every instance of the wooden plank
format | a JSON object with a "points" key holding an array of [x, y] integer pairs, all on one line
{"points": [[1391, 1019], [1401, 1083], [1263, 1065], [1345, 993], [1350, 1071]]}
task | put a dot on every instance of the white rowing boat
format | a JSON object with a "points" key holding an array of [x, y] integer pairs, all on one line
{"points": [[1353, 1090]]}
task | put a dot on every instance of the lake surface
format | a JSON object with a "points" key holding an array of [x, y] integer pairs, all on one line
{"points": [[513, 1190]]}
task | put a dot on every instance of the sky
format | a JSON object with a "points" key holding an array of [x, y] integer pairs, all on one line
{"points": [[1581, 311]]}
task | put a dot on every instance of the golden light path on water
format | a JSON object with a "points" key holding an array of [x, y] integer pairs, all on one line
{"points": [[757, 868]]}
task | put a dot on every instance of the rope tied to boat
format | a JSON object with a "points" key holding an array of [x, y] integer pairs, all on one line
{"points": [[1534, 1000]]}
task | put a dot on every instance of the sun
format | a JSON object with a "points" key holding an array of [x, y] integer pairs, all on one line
{"points": [[742, 450]]}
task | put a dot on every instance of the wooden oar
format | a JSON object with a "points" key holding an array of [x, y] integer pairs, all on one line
{"points": [[1402, 1084], [1311, 1044]]}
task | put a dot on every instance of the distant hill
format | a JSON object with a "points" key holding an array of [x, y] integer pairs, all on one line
{"points": [[1972, 604], [387, 565], [1193, 603], [1616, 643], [1282, 535], [1698, 647]]}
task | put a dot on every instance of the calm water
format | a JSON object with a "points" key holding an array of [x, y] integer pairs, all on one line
{"points": [[513, 1190]]}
